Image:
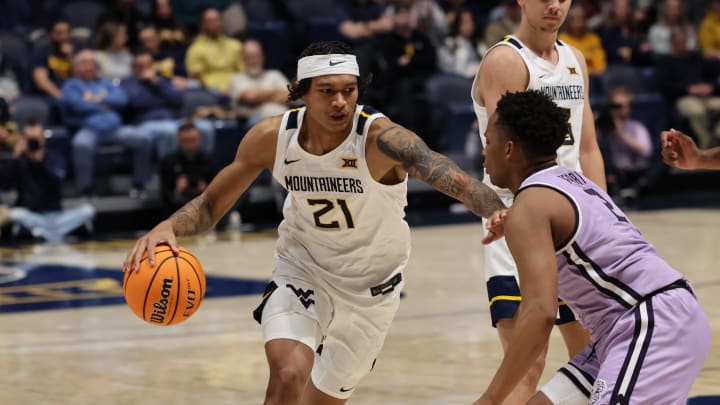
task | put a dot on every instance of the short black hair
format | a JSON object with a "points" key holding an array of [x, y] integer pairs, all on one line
{"points": [[324, 48], [534, 120]]}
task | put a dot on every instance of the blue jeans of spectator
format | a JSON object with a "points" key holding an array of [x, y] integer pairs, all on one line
{"points": [[85, 142], [164, 135], [53, 226]]}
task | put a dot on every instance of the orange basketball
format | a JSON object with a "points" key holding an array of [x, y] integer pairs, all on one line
{"points": [[168, 293]]}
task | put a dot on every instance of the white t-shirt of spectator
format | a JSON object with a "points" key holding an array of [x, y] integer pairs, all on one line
{"points": [[269, 79]]}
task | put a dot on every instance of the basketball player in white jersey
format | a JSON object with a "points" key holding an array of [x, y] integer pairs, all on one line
{"points": [[343, 242], [679, 150], [533, 58]]}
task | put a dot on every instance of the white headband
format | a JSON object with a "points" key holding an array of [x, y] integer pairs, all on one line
{"points": [[333, 64]]}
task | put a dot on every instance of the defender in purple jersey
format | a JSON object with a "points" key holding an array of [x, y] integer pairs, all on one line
{"points": [[650, 337]]}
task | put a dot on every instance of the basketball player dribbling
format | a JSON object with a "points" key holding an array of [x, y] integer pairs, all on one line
{"points": [[533, 58], [343, 242], [650, 337]]}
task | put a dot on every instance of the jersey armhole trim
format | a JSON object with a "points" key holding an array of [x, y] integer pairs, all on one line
{"points": [[578, 215]]}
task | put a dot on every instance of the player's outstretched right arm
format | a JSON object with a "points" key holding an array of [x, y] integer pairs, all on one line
{"points": [[679, 150], [405, 147], [255, 153]]}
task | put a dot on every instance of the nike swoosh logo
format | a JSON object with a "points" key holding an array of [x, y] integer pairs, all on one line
{"points": [[336, 63], [287, 162], [343, 389]]}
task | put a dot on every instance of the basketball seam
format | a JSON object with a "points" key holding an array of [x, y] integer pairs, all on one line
{"points": [[177, 299], [200, 284]]}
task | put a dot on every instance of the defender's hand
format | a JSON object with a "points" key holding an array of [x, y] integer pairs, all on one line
{"points": [[494, 226]]}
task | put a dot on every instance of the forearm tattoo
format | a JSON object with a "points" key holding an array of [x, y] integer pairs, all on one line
{"points": [[193, 218], [438, 171]]}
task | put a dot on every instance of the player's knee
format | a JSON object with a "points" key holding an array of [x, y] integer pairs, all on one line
{"points": [[286, 386], [289, 379]]}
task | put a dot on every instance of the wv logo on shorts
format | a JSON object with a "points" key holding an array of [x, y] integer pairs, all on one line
{"points": [[303, 296]]}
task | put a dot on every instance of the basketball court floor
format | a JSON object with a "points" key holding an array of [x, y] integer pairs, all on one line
{"points": [[66, 336]]}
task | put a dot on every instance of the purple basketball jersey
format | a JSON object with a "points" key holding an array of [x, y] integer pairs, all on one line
{"points": [[606, 268]]}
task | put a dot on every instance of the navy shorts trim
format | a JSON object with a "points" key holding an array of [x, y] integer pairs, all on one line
{"points": [[504, 299]]}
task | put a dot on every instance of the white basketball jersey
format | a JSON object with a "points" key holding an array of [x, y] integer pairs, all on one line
{"points": [[563, 82], [339, 223]]}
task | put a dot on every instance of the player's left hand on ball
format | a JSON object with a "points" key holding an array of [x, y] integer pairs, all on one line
{"points": [[494, 226]]}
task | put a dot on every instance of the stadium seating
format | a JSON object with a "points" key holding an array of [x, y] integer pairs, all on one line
{"points": [[27, 107], [450, 110]]}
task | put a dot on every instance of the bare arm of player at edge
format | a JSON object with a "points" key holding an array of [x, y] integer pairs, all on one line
{"points": [[503, 70], [543, 216], [392, 152]]}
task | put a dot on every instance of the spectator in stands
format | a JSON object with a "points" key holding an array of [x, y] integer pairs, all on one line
{"points": [[709, 35], [213, 57], [9, 135], [36, 174], [258, 93], [114, 58], [621, 36], [686, 79], [462, 49], [587, 42], [165, 61], [126, 12], [672, 16], [497, 29], [410, 59], [51, 65], [361, 21], [93, 105], [152, 103], [11, 75], [627, 146], [186, 172], [189, 12], [234, 20], [429, 18], [172, 32]]}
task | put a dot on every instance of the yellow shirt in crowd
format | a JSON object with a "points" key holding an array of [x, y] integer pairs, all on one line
{"points": [[591, 47], [214, 61], [709, 34]]}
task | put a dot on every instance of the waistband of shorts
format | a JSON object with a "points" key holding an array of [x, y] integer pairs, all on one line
{"points": [[681, 283], [386, 287]]}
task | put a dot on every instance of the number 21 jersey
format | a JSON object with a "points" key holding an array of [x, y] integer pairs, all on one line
{"points": [[339, 223]]}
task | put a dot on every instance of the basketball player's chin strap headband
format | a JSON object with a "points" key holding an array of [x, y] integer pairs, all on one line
{"points": [[333, 64]]}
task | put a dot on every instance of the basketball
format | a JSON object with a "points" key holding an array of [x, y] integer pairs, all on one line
{"points": [[168, 293]]}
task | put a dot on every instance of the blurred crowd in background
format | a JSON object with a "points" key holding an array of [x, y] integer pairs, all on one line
{"points": [[148, 89]]}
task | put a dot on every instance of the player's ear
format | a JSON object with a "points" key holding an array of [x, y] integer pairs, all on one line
{"points": [[510, 148]]}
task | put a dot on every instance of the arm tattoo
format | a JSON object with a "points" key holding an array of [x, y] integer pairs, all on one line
{"points": [[193, 218], [438, 171]]}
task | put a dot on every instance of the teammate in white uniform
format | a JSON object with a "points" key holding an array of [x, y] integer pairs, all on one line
{"points": [[533, 58], [343, 243]]}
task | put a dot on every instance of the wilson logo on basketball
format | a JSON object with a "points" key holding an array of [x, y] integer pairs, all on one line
{"points": [[160, 307]]}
